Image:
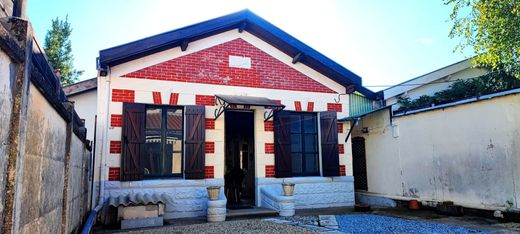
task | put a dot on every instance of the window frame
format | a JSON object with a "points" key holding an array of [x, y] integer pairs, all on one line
{"points": [[302, 135], [164, 130]]}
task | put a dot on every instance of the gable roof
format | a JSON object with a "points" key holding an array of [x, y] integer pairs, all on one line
{"points": [[242, 20], [80, 87], [426, 78]]}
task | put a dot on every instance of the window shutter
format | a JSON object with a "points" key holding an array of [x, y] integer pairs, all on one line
{"points": [[133, 139], [195, 138], [329, 143], [282, 144]]}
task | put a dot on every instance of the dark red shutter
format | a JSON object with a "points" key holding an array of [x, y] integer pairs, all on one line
{"points": [[282, 144], [133, 139], [195, 138], [329, 143]]}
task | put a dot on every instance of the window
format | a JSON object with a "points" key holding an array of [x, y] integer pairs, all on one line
{"points": [[162, 156], [304, 144]]}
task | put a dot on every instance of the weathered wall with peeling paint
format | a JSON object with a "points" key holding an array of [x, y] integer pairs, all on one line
{"points": [[45, 159], [468, 154], [44, 168], [6, 103]]}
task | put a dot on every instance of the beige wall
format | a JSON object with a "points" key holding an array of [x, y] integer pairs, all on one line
{"points": [[43, 171], [85, 104], [468, 154]]}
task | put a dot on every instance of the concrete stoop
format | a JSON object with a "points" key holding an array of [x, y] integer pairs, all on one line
{"points": [[252, 212]]}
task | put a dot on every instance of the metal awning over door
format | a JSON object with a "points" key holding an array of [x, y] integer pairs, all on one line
{"points": [[234, 102]]}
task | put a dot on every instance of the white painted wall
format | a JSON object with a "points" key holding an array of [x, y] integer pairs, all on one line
{"points": [[85, 105], [187, 91], [468, 154]]}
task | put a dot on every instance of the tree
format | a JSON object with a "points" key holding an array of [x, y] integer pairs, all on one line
{"points": [[492, 29], [58, 48]]}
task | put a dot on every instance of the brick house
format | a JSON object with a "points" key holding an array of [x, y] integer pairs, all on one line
{"points": [[234, 102]]}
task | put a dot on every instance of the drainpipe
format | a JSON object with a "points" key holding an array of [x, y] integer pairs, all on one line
{"points": [[104, 148]]}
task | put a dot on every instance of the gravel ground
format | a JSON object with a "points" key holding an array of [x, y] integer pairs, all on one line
{"points": [[236, 226], [366, 223]]}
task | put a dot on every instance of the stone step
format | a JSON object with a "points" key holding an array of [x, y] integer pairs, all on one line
{"points": [[251, 212]]}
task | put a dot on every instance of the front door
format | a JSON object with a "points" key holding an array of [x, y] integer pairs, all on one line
{"points": [[239, 159], [359, 163]]}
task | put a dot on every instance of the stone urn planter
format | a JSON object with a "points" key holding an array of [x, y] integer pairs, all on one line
{"points": [[288, 189], [213, 192]]}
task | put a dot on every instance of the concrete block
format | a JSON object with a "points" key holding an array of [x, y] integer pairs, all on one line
{"points": [[142, 223], [138, 212], [374, 200]]}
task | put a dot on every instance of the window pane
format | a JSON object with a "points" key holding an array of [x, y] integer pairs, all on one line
{"points": [[153, 118], [295, 123], [173, 153], [309, 124], [297, 165], [311, 164], [310, 143], [296, 143], [152, 152], [174, 119]]}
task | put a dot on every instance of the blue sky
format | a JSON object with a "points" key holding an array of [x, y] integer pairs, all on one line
{"points": [[385, 42]]}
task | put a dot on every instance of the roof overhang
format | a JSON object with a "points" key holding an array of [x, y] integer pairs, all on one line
{"points": [[426, 78], [234, 102], [242, 20]]}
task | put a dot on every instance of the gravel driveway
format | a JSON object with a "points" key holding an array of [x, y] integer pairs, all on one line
{"points": [[235, 226]]}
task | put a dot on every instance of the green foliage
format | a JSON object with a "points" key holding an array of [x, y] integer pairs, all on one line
{"points": [[492, 29], [462, 89], [58, 48]]}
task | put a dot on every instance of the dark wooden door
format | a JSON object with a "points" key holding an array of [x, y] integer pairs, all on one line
{"points": [[359, 163]]}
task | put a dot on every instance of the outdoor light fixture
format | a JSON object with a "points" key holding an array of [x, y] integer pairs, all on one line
{"points": [[364, 130]]}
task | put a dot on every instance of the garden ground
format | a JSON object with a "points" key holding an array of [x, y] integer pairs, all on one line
{"points": [[317, 221]]}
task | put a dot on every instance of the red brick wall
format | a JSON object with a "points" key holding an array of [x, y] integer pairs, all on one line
{"points": [[157, 98], [269, 170], [310, 106], [116, 120], [268, 126], [113, 173], [209, 172], [210, 124], [210, 66], [205, 100], [334, 107], [297, 105], [123, 95], [340, 127], [269, 148], [209, 147], [174, 98], [342, 170], [341, 148], [115, 147]]}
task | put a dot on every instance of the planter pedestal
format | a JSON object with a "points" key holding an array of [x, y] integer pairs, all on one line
{"points": [[216, 205]]}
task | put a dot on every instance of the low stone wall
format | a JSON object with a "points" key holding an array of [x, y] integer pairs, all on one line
{"points": [[315, 192], [186, 198]]}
